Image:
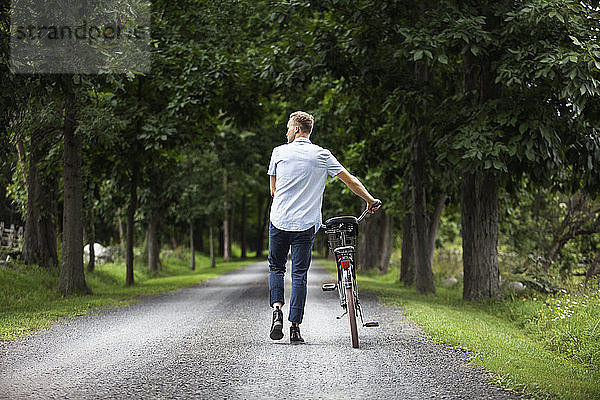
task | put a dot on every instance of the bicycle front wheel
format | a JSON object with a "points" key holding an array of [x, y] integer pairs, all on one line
{"points": [[352, 316]]}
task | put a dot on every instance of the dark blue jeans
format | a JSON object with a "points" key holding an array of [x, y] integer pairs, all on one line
{"points": [[279, 244]]}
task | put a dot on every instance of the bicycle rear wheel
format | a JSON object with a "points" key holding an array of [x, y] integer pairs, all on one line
{"points": [[352, 316]]}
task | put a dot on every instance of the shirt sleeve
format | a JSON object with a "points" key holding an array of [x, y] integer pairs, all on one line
{"points": [[333, 165], [273, 163]]}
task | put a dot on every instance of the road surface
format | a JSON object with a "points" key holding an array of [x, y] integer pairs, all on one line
{"points": [[211, 341]]}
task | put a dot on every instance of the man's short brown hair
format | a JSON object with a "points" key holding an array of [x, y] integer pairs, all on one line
{"points": [[304, 120]]}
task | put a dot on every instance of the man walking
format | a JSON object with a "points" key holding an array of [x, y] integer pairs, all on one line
{"points": [[298, 172]]}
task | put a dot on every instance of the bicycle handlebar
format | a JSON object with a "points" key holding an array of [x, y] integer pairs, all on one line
{"points": [[374, 207]]}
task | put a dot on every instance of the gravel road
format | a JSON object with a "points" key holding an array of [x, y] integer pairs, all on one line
{"points": [[211, 341]]}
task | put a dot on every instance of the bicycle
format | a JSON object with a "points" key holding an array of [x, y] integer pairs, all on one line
{"points": [[342, 233]]}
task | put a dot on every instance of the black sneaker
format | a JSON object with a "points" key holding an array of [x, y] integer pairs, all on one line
{"points": [[295, 337], [277, 325]]}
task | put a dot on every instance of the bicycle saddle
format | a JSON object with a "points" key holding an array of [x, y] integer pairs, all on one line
{"points": [[340, 220]]}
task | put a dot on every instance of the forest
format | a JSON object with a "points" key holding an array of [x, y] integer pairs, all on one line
{"points": [[477, 124]]}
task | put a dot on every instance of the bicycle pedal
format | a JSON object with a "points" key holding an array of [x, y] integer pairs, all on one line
{"points": [[329, 287], [371, 324]]}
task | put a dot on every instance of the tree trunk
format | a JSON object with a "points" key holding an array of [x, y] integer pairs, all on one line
{"points": [[369, 243], [92, 260], [407, 263], [226, 244], [144, 253], [153, 243], [22, 157], [479, 214], [232, 228], [173, 238], [220, 248], [434, 223], [580, 219], [388, 244], [121, 233], [211, 246], [30, 240], [39, 246], [259, 219], [557, 245], [423, 271], [192, 250], [243, 227], [479, 190], [72, 278], [226, 234], [262, 224], [375, 242], [593, 269], [199, 235], [130, 227]]}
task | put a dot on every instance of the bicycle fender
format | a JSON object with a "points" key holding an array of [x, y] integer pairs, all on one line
{"points": [[347, 278]]}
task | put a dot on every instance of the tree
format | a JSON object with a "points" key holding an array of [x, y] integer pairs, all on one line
{"points": [[34, 126], [407, 262], [554, 232], [72, 278], [100, 135], [541, 92]]}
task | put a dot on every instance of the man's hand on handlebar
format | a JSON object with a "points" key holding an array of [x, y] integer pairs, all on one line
{"points": [[374, 205]]}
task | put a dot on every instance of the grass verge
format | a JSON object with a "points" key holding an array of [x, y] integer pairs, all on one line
{"points": [[29, 301], [547, 347]]}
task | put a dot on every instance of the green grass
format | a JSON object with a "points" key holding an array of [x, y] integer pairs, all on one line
{"points": [[523, 340], [29, 301]]}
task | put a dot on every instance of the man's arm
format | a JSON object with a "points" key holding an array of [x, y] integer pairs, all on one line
{"points": [[272, 184], [357, 188]]}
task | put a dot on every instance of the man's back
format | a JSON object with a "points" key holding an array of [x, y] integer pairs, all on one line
{"points": [[301, 170]]}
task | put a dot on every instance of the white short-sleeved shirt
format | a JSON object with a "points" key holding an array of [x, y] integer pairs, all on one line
{"points": [[301, 169]]}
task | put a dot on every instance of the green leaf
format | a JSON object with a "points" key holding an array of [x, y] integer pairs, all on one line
{"points": [[418, 55], [575, 40], [442, 58], [529, 154], [523, 127]]}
